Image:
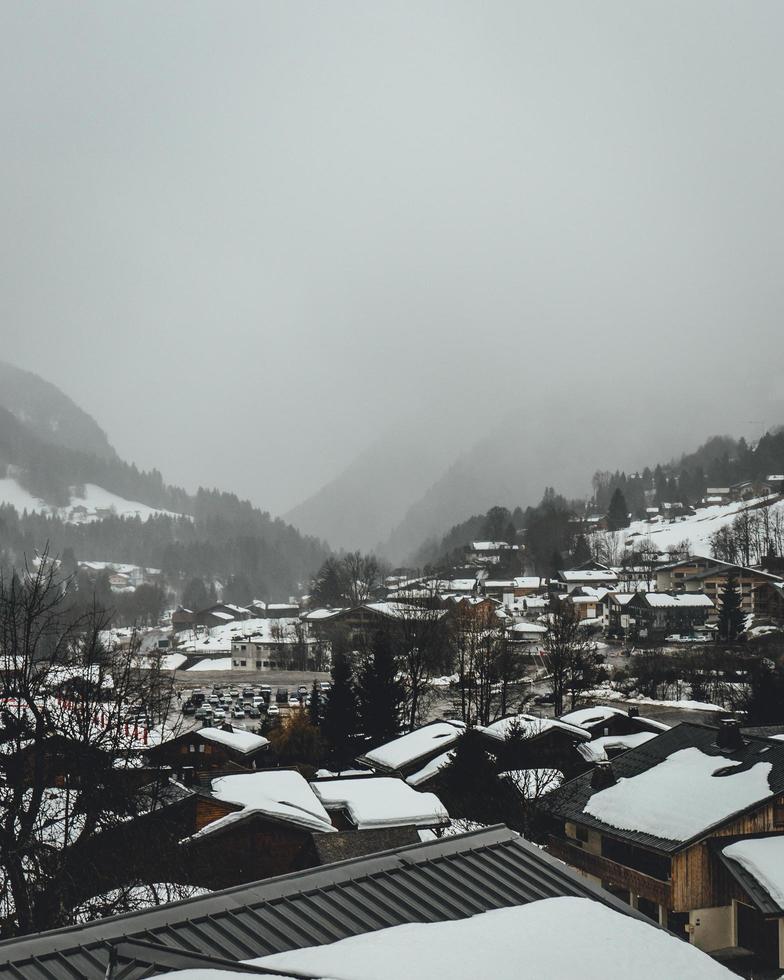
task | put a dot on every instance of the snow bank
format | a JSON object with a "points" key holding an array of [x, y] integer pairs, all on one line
{"points": [[219, 663], [681, 796], [381, 801]]}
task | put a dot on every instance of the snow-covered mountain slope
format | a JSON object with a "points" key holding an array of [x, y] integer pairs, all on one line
{"points": [[697, 529], [93, 505]]}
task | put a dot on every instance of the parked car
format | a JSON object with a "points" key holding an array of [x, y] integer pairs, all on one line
{"points": [[253, 712], [238, 712], [547, 698], [273, 709], [325, 686], [204, 711], [282, 695], [248, 692], [219, 714], [302, 691], [189, 708], [294, 702]]}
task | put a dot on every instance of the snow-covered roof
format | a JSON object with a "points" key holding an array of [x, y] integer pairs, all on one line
{"points": [[531, 727], [430, 769], [401, 610], [402, 751], [666, 600], [763, 859], [680, 797], [281, 794], [221, 615], [530, 629], [381, 801], [505, 944], [489, 545], [591, 716], [596, 750], [238, 739], [588, 575], [529, 582]]}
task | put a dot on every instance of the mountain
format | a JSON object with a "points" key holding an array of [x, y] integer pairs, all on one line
{"points": [[62, 485], [359, 508], [49, 414]]}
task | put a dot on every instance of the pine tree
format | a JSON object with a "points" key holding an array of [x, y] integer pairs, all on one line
{"points": [[340, 724], [731, 616], [379, 692], [618, 512], [582, 553]]}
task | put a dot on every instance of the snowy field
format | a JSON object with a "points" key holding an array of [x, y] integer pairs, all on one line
{"points": [[94, 504], [698, 529]]}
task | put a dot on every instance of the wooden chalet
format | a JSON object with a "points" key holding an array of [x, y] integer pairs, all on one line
{"points": [[527, 742], [211, 748], [653, 826]]}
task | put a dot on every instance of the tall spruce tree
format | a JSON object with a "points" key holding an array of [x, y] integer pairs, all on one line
{"points": [[315, 708], [731, 614], [340, 723], [618, 512], [582, 553], [379, 692]]}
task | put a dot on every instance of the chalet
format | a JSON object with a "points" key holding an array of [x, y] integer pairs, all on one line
{"points": [[591, 573], [524, 741], [362, 621], [525, 585], [654, 615], [478, 904], [717, 495], [374, 802], [615, 616], [713, 580], [409, 753], [768, 601], [489, 552], [211, 748], [774, 483], [220, 614], [655, 827], [601, 720], [182, 619]]}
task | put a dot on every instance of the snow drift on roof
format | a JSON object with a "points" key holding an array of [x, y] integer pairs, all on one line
{"points": [[596, 751], [763, 858], [408, 748], [430, 769], [531, 727], [381, 801], [507, 944], [239, 739], [681, 796]]}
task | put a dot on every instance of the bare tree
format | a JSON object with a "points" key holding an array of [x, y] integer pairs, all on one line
{"points": [[570, 656], [75, 716]]}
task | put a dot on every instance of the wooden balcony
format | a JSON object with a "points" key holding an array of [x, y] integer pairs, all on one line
{"points": [[614, 874]]}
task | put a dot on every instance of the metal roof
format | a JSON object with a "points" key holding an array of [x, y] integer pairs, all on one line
{"points": [[758, 894], [450, 878], [569, 800]]}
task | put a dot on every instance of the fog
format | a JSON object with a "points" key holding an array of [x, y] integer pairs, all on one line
{"points": [[252, 239]]}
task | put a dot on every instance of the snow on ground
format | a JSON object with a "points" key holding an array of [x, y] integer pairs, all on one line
{"points": [[506, 944], [381, 801], [596, 751], [221, 663], [697, 529], [763, 858], [404, 750], [689, 776], [237, 739], [92, 505], [282, 795]]}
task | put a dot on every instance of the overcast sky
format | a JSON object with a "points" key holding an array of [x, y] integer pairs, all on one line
{"points": [[247, 237]]}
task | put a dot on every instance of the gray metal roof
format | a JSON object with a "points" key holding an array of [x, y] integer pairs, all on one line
{"points": [[451, 878], [569, 801]]}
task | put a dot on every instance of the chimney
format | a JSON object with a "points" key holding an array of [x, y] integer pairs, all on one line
{"points": [[634, 712], [728, 737], [226, 727], [603, 776]]}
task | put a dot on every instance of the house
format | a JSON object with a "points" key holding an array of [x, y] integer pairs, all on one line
{"points": [[372, 802], [274, 644], [524, 741], [211, 748], [601, 720], [592, 573], [408, 754], [713, 581], [478, 904], [670, 577], [654, 827], [220, 614], [182, 619], [655, 615], [768, 601], [615, 616], [489, 552]]}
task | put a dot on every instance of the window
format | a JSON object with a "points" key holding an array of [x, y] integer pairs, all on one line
{"points": [[201, 748], [581, 833], [243, 663], [258, 665]]}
